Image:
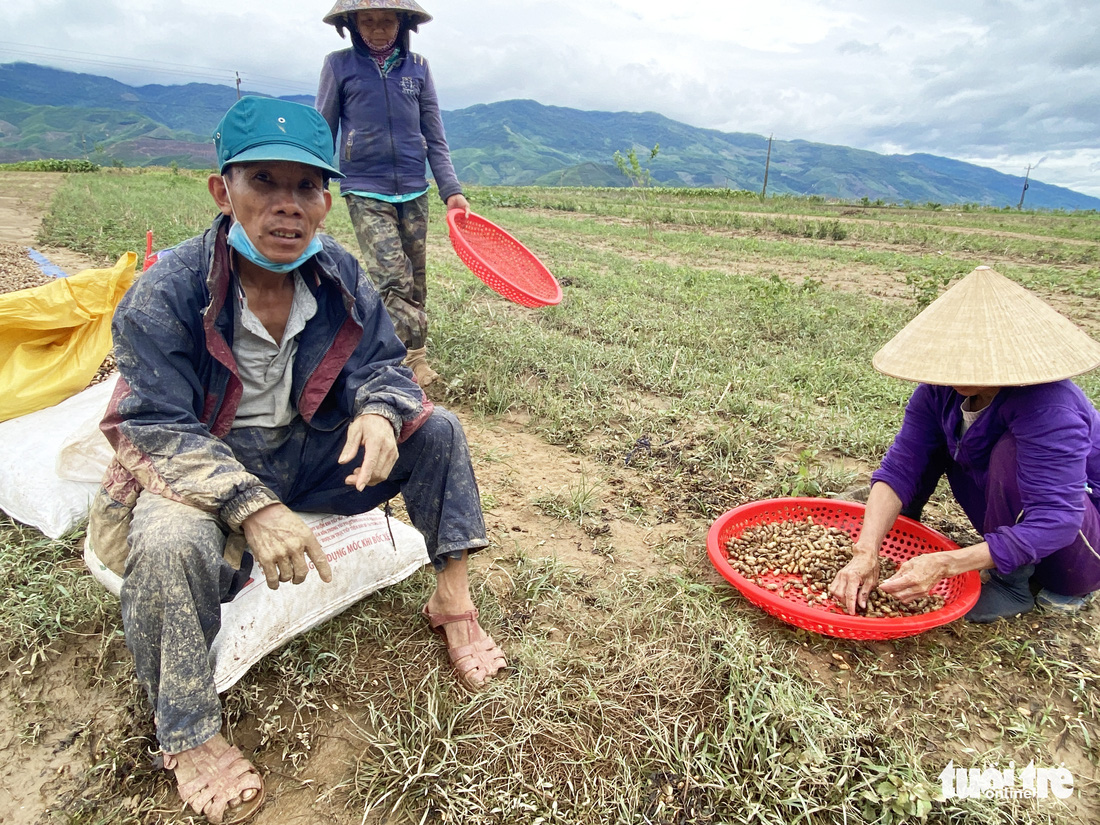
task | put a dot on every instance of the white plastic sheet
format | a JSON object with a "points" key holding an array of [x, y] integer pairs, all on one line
{"points": [[53, 460]]}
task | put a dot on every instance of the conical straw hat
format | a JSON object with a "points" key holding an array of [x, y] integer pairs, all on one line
{"points": [[346, 8], [987, 331]]}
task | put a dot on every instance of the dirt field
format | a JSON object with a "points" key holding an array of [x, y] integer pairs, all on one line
{"points": [[39, 766], [23, 200]]}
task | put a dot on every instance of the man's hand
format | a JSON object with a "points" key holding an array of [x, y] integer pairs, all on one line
{"points": [[458, 202], [855, 581], [280, 543], [374, 434], [917, 576]]}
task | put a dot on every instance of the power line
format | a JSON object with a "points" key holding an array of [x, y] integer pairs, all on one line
{"points": [[113, 57], [193, 73], [116, 61]]}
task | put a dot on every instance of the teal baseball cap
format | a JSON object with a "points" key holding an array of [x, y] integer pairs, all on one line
{"points": [[265, 128]]}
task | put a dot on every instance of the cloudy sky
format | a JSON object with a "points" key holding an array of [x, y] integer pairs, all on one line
{"points": [[1002, 83]]}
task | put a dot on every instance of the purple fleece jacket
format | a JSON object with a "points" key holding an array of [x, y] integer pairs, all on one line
{"points": [[389, 125], [1057, 433]]}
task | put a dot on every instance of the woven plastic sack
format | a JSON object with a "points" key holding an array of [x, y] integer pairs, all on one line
{"points": [[260, 620], [54, 459], [54, 337]]}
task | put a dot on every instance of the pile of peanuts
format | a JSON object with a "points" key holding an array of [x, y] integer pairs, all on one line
{"points": [[815, 553], [105, 371], [18, 271]]}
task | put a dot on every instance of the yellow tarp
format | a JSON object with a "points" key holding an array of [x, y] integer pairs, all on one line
{"points": [[53, 338]]}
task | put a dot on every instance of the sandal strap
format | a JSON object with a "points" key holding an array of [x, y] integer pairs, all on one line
{"points": [[476, 649], [477, 656], [218, 782], [437, 620], [473, 662]]}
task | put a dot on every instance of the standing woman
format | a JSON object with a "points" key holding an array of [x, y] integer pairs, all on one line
{"points": [[994, 411], [378, 97]]}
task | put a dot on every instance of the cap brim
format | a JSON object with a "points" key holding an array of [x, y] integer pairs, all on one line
{"points": [[282, 151]]}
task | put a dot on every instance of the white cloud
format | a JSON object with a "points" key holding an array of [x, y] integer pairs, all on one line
{"points": [[1001, 82]]}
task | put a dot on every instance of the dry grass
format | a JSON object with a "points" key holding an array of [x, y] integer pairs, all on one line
{"points": [[638, 695]]}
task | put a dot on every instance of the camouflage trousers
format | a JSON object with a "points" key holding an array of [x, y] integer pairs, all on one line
{"points": [[393, 239]]}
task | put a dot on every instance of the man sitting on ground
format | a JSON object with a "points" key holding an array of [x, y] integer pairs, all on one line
{"points": [[256, 361]]}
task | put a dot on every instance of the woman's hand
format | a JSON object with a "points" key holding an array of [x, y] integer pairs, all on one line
{"points": [[280, 542], [458, 202], [374, 435], [917, 576], [855, 581]]}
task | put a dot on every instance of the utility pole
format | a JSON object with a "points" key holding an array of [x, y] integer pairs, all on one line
{"points": [[1020, 205], [767, 164], [238, 74]]}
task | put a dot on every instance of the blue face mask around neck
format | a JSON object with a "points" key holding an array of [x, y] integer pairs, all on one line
{"points": [[239, 240]]}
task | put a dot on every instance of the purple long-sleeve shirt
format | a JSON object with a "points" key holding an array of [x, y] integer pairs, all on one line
{"points": [[1057, 432], [390, 124]]}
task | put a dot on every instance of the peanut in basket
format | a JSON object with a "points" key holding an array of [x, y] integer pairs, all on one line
{"points": [[815, 554]]}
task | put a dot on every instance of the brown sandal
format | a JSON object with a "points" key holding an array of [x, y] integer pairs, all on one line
{"points": [[220, 780], [473, 662]]}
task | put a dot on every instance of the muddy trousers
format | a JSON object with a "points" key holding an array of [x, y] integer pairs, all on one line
{"points": [[176, 577], [1073, 570], [393, 240]]}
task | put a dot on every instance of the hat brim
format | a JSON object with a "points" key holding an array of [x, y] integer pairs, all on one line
{"points": [[988, 331], [282, 151], [344, 18]]}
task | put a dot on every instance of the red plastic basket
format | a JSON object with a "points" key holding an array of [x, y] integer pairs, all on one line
{"points": [[503, 263], [908, 538]]}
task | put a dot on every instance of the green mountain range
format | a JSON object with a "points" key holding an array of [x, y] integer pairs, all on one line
{"points": [[49, 113]]}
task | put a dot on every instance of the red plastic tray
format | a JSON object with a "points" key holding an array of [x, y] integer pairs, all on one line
{"points": [[503, 263], [907, 539]]}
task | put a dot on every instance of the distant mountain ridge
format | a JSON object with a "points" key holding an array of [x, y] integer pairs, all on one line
{"points": [[523, 142], [48, 112]]}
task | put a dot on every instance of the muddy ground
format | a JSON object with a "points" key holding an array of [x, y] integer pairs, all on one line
{"points": [[515, 468]]}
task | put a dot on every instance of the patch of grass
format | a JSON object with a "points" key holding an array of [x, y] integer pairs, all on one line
{"points": [[631, 334], [51, 593], [108, 214], [579, 502], [649, 701], [739, 209], [698, 361]]}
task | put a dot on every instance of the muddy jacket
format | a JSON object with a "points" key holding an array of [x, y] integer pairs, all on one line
{"points": [[178, 386], [1057, 432], [389, 125]]}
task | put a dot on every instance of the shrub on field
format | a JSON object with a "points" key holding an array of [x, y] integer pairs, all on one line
{"points": [[50, 165], [509, 200]]}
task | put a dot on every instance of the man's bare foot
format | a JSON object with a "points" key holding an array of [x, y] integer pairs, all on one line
{"points": [[217, 781]]}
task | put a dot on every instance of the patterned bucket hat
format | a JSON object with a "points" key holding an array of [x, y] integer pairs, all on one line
{"points": [[341, 13]]}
